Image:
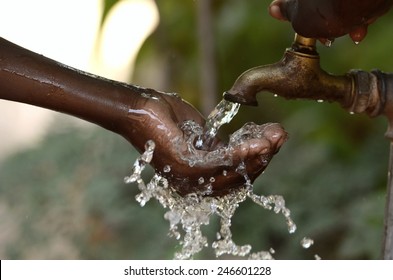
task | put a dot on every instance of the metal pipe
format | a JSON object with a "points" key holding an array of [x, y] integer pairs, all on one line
{"points": [[387, 244], [298, 75], [385, 87]]}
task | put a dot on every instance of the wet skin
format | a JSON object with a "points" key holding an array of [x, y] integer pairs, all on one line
{"points": [[329, 19], [138, 114]]}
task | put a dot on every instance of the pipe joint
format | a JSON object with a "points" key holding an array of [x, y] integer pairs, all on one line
{"points": [[366, 96]]}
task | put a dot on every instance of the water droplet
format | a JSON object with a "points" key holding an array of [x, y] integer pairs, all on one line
{"points": [[318, 258], [140, 198], [167, 168], [264, 161], [291, 226], [199, 143], [224, 173], [286, 212], [174, 94], [356, 42], [241, 168], [272, 251], [150, 146], [328, 43], [201, 180], [208, 191], [263, 255], [148, 96], [212, 179], [279, 204], [141, 162], [320, 100], [306, 242], [275, 95], [351, 113]]}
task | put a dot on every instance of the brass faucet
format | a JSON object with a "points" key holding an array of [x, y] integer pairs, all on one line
{"points": [[299, 75]]}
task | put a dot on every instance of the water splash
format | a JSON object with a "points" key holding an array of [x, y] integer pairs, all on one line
{"points": [[186, 215], [277, 204], [167, 169], [306, 242], [137, 169], [223, 113], [192, 132]]}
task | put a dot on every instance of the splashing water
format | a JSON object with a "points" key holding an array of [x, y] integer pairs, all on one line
{"points": [[187, 214], [137, 169], [223, 113], [277, 204], [306, 242]]}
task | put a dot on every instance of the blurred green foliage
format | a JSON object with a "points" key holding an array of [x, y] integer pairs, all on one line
{"points": [[67, 199]]}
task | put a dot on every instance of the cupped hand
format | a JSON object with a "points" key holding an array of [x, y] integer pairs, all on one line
{"points": [[170, 122], [329, 19]]}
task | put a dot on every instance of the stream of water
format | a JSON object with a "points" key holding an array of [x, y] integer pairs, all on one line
{"points": [[223, 113], [187, 214]]}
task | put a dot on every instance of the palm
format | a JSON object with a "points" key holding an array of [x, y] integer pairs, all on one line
{"points": [[168, 120]]}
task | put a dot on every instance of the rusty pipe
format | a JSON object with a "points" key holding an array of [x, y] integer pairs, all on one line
{"points": [[299, 75]]}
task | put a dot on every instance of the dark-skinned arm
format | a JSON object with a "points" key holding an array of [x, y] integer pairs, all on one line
{"points": [[138, 114]]}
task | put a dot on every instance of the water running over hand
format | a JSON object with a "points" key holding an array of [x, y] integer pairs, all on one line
{"points": [[187, 214]]}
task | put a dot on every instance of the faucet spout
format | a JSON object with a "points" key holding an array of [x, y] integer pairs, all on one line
{"points": [[297, 75]]}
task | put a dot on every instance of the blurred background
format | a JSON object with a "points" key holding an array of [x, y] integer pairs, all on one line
{"points": [[62, 194]]}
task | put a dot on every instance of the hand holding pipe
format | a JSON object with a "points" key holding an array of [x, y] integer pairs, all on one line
{"points": [[138, 114]]}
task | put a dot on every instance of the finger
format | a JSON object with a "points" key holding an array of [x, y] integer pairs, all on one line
{"points": [[251, 149], [276, 10], [276, 134], [259, 140], [260, 153], [358, 34]]}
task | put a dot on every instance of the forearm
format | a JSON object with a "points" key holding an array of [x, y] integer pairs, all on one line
{"points": [[33, 79]]}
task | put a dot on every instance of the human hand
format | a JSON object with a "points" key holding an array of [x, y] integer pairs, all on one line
{"points": [[168, 121], [329, 19]]}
